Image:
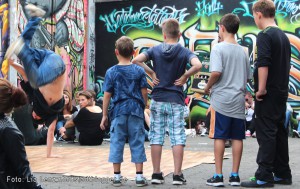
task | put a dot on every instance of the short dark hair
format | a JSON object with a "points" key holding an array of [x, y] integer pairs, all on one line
{"points": [[171, 28], [231, 22], [125, 46], [265, 7]]}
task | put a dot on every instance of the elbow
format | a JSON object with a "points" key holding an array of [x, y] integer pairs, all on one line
{"points": [[134, 61], [199, 66], [216, 74]]}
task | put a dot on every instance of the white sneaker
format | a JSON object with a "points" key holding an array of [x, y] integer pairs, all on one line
{"points": [[248, 133], [14, 48], [35, 10], [203, 132]]}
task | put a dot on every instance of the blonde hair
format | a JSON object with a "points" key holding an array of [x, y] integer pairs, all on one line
{"points": [[265, 7], [170, 27]]}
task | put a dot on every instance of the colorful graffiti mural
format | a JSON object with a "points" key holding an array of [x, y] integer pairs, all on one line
{"points": [[63, 31], [4, 38], [198, 19]]}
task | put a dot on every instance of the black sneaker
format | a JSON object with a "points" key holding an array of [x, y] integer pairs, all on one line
{"points": [[234, 181], [178, 180], [215, 181], [282, 181], [157, 178], [254, 184]]}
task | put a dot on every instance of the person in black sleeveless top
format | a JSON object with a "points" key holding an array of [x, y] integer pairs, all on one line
{"points": [[87, 121]]}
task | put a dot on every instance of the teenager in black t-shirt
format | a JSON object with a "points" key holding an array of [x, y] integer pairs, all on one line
{"points": [[271, 80]]}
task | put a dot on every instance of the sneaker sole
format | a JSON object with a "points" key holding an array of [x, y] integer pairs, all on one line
{"points": [[215, 184], [234, 183], [178, 183], [117, 185], [141, 185], [157, 181]]}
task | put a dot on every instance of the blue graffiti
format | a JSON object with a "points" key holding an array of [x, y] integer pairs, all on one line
{"points": [[205, 8], [246, 9], [288, 7], [284, 8], [145, 19]]}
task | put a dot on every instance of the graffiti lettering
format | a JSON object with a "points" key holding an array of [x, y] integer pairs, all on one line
{"points": [[245, 9], [284, 8], [145, 19], [203, 8], [288, 7]]}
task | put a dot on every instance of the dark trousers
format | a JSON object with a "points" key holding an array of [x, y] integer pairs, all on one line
{"points": [[272, 137]]}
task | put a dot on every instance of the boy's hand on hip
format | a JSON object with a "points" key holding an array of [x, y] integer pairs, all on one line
{"points": [[259, 95], [206, 90], [104, 122], [181, 81], [155, 80]]}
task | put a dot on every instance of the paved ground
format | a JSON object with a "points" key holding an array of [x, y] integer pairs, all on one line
{"points": [[196, 176]]}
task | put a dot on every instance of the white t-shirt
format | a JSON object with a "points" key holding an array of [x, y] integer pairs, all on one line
{"points": [[228, 93]]}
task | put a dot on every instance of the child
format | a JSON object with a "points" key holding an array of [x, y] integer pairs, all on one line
{"points": [[271, 85], [230, 70], [43, 74], [125, 84], [167, 105]]}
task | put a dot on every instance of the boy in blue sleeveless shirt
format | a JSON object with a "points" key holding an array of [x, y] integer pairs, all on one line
{"points": [[126, 85], [167, 106]]}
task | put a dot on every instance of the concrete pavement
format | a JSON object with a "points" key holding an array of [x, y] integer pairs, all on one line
{"points": [[196, 176]]}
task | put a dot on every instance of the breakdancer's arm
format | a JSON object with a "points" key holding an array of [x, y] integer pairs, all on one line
{"points": [[50, 139], [19, 68]]}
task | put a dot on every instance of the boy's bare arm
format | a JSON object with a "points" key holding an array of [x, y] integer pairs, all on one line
{"points": [[145, 95], [262, 81], [106, 100], [19, 68], [214, 77], [196, 66], [139, 60]]}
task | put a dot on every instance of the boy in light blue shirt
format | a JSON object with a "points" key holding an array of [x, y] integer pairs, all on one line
{"points": [[125, 86]]}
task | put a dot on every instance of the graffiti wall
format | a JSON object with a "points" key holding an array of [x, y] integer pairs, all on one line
{"points": [[63, 31], [198, 20], [4, 38]]}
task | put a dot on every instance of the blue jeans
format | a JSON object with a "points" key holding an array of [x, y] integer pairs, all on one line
{"points": [[287, 118], [124, 126], [41, 66], [59, 125]]}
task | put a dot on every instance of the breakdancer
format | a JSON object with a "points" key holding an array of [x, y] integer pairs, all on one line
{"points": [[43, 74]]}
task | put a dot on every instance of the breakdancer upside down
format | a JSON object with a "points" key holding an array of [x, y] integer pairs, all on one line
{"points": [[43, 72]]}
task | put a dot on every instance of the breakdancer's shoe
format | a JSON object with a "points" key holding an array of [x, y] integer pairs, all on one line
{"points": [[14, 48], [35, 11]]}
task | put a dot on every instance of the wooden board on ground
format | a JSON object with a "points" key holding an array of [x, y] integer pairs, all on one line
{"points": [[93, 161]]}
